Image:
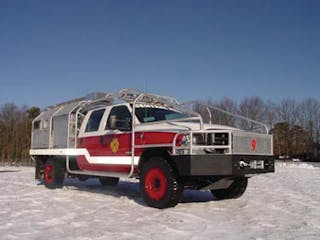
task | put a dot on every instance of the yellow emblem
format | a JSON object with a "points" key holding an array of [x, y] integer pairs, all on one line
{"points": [[114, 145]]}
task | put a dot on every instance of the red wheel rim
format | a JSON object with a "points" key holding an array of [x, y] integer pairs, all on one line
{"points": [[48, 173], [156, 183]]}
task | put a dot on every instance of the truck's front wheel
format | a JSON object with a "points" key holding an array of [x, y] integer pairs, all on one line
{"points": [[53, 174], [160, 185], [235, 190]]}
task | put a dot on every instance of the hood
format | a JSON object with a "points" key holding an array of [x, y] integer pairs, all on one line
{"points": [[180, 126]]}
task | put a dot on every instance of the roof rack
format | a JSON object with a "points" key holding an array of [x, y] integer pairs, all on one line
{"points": [[89, 98], [127, 95], [130, 96]]}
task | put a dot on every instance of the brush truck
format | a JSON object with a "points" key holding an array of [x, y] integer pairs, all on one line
{"points": [[153, 138]]}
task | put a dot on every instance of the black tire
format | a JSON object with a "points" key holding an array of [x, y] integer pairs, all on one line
{"points": [[53, 173], [235, 190], [109, 181], [160, 184]]}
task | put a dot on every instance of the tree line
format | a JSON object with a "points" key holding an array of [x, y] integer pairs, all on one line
{"points": [[294, 125], [15, 133]]}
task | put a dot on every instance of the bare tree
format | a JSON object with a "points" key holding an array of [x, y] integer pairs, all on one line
{"points": [[300, 141], [288, 111], [281, 133], [271, 116], [9, 118], [15, 130], [310, 119], [253, 108], [218, 117]]}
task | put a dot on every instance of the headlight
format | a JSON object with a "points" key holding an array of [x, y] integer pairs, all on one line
{"points": [[220, 138], [183, 140], [198, 139]]}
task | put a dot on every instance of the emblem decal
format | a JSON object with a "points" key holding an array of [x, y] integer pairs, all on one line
{"points": [[253, 145], [114, 145]]}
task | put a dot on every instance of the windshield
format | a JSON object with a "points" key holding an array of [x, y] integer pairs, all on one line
{"points": [[147, 114]]}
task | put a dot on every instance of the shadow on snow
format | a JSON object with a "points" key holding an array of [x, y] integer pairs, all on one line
{"points": [[131, 191]]}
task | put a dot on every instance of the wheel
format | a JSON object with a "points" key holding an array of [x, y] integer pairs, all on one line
{"points": [[53, 174], [235, 190], [160, 185], [109, 181]]}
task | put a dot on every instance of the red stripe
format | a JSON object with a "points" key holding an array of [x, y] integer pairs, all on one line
{"points": [[100, 145]]}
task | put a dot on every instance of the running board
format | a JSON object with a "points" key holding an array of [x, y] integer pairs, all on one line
{"points": [[93, 173]]}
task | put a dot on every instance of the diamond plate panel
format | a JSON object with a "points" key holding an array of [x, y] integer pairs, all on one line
{"points": [[252, 143]]}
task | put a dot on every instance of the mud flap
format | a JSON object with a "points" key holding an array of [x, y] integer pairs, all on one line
{"points": [[37, 175]]}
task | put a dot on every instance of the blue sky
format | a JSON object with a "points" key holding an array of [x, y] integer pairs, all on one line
{"points": [[52, 51]]}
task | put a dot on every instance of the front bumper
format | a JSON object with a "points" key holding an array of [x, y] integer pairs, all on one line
{"points": [[222, 165]]}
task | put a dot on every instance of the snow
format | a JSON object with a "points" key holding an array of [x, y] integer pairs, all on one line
{"points": [[281, 205]]}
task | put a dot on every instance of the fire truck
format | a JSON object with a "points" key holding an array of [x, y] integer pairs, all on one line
{"points": [[164, 144]]}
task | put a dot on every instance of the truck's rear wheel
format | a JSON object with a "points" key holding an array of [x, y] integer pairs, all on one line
{"points": [[53, 174], [159, 184], [235, 190], [109, 181]]}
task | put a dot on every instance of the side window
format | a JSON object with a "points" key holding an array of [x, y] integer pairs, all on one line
{"points": [[119, 118], [45, 124], [94, 121], [36, 125]]}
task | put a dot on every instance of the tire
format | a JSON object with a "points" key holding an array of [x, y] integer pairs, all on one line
{"points": [[160, 185], [53, 174], [109, 181], [235, 190]]}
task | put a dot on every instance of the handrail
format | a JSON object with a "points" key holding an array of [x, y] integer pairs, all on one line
{"points": [[208, 110], [228, 113], [133, 133]]}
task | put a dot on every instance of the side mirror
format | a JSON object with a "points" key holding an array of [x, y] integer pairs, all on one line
{"points": [[119, 124], [113, 122]]}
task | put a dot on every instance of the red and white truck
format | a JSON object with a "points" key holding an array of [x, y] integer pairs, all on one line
{"points": [[149, 137]]}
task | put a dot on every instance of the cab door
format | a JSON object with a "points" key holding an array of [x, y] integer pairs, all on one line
{"points": [[107, 139], [117, 138], [90, 133]]}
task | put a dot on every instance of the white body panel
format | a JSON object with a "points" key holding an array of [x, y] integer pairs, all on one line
{"points": [[118, 160]]}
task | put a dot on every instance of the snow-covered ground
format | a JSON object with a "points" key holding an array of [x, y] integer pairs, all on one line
{"points": [[282, 205]]}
